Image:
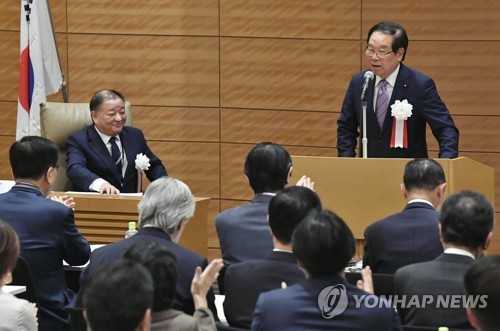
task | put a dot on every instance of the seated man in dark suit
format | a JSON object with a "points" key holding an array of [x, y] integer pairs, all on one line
{"points": [[412, 235], [164, 210], [245, 281], [119, 297], [323, 245], [481, 280], [243, 231], [46, 228], [466, 225], [103, 157]]}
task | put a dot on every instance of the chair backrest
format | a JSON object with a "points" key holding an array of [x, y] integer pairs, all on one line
{"points": [[59, 121], [21, 275]]}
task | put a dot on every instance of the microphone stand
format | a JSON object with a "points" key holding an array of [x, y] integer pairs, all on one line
{"points": [[364, 140]]}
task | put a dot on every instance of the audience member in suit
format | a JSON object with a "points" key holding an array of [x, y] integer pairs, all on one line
{"points": [[412, 235], [164, 210], [466, 225], [162, 265], [481, 280], [119, 297], [245, 281], [91, 166], [46, 228], [243, 231], [17, 314], [323, 245], [387, 45]]}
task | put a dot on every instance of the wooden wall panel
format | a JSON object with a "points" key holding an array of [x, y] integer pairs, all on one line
{"points": [[9, 15], [5, 170], [283, 127], [176, 71], [9, 65], [8, 118], [328, 19], [437, 20], [213, 211], [491, 160], [286, 74], [178, 124], [196, 164], [152, 17]]}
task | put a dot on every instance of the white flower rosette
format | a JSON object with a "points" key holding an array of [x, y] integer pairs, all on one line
{"points": [[401, 111], [141, 164]]}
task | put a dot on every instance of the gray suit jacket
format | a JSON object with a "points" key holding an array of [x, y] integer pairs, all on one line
{"points": [[443, 276], [244, 231], [175, 320], [408, 237]]}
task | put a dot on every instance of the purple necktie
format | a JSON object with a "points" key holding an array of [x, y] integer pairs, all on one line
{"points": [[382, 102]]}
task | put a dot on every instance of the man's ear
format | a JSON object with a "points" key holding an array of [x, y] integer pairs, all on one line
{"points": [[472, 318], [403, 190], [289, 176], [145, 324], [488, 240]]}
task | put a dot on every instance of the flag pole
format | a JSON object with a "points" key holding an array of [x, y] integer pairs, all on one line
{"points": [[63, 85]]}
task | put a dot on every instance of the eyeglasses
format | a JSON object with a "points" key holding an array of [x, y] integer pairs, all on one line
{"points": [[370, 52]]}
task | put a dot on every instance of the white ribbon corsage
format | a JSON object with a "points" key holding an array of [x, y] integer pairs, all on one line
{"points": [[142, 162], [400, 110]]}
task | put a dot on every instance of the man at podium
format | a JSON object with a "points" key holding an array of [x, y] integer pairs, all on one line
{"points": [[399, 103]]}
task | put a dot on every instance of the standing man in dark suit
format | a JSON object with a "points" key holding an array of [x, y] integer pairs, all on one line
{"points": [[164, 210], [466, 225], [244, 231], [412, 235], [323, 245], [102, 157], [245, 281], [46, 228], [394, 82]]}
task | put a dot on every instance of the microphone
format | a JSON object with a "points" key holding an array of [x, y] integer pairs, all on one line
{"points": [[368, 77]]}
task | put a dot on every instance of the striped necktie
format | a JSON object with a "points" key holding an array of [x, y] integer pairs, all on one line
{"points": [[382, 102]]}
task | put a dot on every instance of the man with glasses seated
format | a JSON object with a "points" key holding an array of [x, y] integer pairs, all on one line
{"points": [[394, 89]]}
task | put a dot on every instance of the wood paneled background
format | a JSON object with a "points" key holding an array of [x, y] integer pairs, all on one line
{"points": [[209, 78]]}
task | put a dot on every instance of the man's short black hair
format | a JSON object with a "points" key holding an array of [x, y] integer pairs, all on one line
{"points": [[426, 174], [466, 219], [288, 208], [162, 265], [482, 278], [395, 30], [267, 166], [32, 156], [101, 96], [323, 243], [117, 295]]}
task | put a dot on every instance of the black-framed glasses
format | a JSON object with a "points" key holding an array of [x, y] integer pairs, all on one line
{"points": [[370, 52]]}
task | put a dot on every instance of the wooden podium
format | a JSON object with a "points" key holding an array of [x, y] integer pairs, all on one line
{"points": [[362, 191], [103, 219]]}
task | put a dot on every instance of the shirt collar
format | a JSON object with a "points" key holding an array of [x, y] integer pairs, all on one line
{"points": [[420, 200], [458, 251], [105, 138], [391, 79]]}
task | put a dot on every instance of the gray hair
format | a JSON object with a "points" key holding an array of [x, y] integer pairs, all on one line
{"points": [[165, 203]]}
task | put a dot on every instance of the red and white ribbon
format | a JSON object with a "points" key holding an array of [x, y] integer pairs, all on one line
{"points": [[138, 187], [399, 136]]}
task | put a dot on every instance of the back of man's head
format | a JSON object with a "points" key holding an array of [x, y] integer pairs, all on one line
{"points": [[288, 208], [162, 265], [423, 174], [323, 243], [466, 220], [482, 278], [32, 156], [267, 167], [101, 96], [166, 202], [118, 297]]}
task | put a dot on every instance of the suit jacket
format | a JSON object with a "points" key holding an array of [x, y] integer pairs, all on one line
{"points": [[17, 314], [245, 281], [174, 320], [297, 308], [187, 262], [408, 237], [444, 276], [48, 234], [244, 231], [420, 91], [88, 159]]}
